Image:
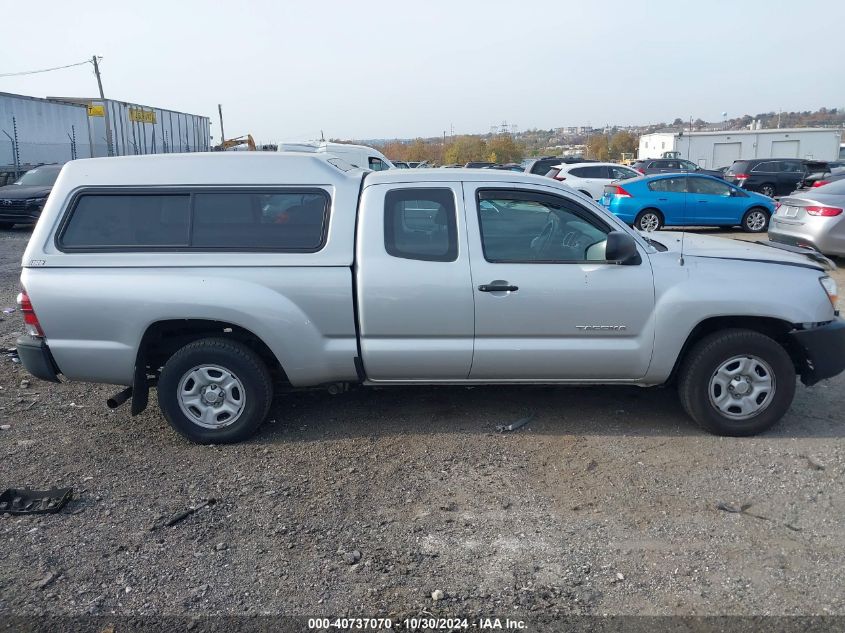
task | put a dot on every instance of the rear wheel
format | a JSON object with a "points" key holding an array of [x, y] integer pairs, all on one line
{"points": [[215, 391], [755, 220], [768, 190], [737, 382], [648, 220]]}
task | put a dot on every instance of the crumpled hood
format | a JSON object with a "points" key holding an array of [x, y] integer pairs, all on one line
{"points": [[709, 246], [21, 192]]}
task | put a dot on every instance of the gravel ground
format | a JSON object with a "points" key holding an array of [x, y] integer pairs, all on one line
{"points": [[368, 502]]}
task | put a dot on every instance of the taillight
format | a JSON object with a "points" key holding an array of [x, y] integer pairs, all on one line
{"points": [[741, 176], [560, 177], [777, 206], [33, 327], [825, 212], [820, 183], [619, 192], [642, 171]]}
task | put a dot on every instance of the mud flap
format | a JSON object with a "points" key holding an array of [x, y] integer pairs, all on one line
{"points": [[140, 388]]}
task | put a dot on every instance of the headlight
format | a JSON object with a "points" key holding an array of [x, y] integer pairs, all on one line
{"points": [[36, 202], [829, 286]]}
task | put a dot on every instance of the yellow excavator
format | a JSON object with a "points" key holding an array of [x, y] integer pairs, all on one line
{"points": [[231, 143]]}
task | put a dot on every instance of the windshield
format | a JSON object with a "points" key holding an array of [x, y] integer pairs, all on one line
{"points": [[39, 177]]}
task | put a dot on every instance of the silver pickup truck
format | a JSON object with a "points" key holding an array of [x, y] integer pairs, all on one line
{"points": [[219, 278]]}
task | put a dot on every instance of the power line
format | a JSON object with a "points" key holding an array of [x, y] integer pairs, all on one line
{"points": [[43, 70]]}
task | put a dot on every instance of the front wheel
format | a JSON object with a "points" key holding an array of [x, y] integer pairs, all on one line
{"points": [[215, 391], [737, 382], [755, 221]]}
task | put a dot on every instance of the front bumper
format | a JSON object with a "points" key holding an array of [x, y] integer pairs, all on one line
{"points": [[36, 358], [19, 216], [823, 348]]}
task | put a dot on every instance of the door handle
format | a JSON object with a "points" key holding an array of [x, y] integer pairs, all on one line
{"points": [[497, 288]]}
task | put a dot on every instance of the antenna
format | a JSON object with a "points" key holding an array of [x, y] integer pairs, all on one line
{"points": [[686, 184]]}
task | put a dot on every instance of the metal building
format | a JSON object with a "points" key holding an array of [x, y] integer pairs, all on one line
{"points": [[714, 149], [139, 129], [34, 131]]}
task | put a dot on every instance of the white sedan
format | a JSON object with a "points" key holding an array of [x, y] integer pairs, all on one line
{"points": [[590, 178]]}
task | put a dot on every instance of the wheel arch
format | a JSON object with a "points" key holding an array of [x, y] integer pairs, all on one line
{"points": [[774, 328], [163, 338]]}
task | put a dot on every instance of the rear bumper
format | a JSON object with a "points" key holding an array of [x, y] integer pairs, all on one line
{"points": [[824, 350], [36, 358], [824, 236]]}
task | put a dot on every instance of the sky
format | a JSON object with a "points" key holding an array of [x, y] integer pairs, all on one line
{"points": [[287, 70]]}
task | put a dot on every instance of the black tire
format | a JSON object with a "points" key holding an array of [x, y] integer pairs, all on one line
{"points": [[767, 189], [703, 360], [750, 222], [643, 217], [234, 357], [6, 225]]}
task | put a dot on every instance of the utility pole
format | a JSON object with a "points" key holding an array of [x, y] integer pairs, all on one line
{"points": [[220, 112], [105, 106]]}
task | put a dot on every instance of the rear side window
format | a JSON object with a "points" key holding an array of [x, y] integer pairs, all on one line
{"points": [[283, 221], [289, 221], [589, 172], [421, 224], [738, 167], [377, 164], [769, 166], [676, 185], [138, 220], [542, 167]]}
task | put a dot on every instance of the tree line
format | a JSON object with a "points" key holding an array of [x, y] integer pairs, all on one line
{"points": [[501, 149]]}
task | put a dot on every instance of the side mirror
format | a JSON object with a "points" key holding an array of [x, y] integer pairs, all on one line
{"points": [[622, 249]]}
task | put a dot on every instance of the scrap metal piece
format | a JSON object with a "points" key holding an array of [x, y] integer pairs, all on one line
{"points": [[513, 426]]}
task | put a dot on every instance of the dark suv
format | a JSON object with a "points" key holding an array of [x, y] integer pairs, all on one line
{"points": [[22, 201], [650, 166], [769, 176]]}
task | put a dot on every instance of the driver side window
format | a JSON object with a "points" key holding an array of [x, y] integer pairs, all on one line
{"points": [[525, 226]]}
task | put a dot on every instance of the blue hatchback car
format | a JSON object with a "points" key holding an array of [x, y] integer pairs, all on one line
{"points": [[652, 202]]}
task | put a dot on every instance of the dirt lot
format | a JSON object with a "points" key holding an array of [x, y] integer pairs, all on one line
{"points": [[367, 502]]}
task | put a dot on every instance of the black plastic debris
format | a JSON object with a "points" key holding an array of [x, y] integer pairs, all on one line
{"points": [[24, 501]]}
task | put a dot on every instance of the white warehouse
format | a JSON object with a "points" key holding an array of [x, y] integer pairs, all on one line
{"points": [[713, 150]]}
